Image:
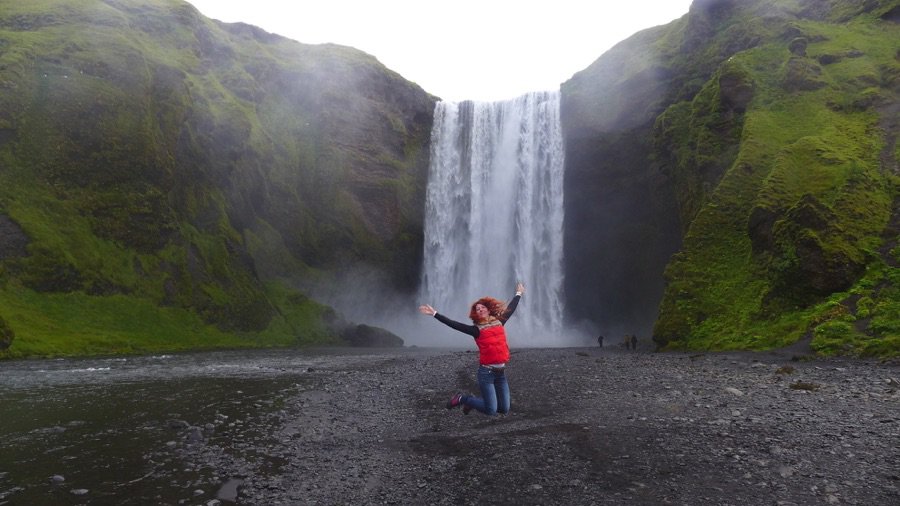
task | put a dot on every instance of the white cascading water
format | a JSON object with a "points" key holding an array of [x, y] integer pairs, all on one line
{"points": [[494, 212]]}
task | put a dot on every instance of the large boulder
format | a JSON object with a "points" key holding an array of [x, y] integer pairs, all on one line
{"points": [[365, 336]]}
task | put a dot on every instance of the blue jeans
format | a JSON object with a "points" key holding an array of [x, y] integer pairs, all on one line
{"points": [[494, 392]]}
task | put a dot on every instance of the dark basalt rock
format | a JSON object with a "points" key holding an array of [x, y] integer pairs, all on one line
{"points": [[759, 228], [13, 241], [6, 335], [735, 90], [366, 336], [797, 46]]}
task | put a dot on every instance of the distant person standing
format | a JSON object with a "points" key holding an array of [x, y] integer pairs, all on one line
{"points": [[489, 316], [600, 341], [633, 342]]}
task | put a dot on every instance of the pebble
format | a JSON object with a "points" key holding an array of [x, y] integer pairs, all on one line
{"points": [[380, 434]]}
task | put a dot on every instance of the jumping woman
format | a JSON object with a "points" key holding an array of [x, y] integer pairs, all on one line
{"points": [[488, 317]]}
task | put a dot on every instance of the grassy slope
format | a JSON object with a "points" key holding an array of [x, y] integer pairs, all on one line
{"points": [[125, 146], [822, 143]]}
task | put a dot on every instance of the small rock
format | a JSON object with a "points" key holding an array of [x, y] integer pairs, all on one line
{"points": [[177, 424], [734, 391], [194, 435]]}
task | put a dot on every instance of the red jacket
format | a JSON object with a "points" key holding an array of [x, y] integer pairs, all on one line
{"points": [[492, 347]]}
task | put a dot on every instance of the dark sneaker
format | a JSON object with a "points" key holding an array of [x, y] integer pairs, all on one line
{"points": [[454, 401], [466, 409]]}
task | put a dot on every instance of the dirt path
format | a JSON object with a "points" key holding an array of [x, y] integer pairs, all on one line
{"points": [[588, 426]]}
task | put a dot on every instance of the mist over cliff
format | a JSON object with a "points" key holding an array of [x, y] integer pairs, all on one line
{"points": [[172, 182], [153, 154], [732, 178]]}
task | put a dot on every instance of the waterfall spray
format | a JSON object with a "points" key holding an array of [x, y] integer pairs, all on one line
{"points": [[494, 211]]}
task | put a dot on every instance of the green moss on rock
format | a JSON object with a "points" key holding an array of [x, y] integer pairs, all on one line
{"points": [[144, 145], [791, 231]]}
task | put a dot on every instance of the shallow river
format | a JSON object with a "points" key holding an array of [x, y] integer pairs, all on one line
{"points": [[116, 430]]}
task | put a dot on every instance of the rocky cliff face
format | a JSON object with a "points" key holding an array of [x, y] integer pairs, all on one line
{"points": [[621, 222], [732, 178], [755, 141], [150, 152]]}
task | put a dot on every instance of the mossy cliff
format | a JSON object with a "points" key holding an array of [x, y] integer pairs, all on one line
{"points": [[764, 134], [165, 178], [168, 181]]}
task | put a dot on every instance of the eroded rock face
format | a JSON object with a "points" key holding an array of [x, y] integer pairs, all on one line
{"points": [[316, 155], [802, 74], [892, 15], [759, 228], [797, 46], [6, 334], [13, 241], [811, 261], [735, 89]]}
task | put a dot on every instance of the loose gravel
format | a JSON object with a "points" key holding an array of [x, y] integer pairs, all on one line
{"points": [[588, 426]]}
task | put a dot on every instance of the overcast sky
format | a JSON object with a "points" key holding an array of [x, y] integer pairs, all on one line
{"points": [[461, 49]]}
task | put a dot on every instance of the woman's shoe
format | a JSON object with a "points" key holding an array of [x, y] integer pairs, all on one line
{"points": [[455, 401]]}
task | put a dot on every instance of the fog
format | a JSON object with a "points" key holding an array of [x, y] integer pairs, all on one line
{"points": [[363, 295]]}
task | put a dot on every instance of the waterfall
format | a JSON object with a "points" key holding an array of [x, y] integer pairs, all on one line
{"points": [[494, 212]]}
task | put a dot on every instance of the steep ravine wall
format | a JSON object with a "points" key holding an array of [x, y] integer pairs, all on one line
{"points": [[151, 155], [621, 219], [720, 189]]}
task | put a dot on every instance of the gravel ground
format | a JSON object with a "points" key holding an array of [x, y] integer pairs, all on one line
{"points": [[588, 426]]}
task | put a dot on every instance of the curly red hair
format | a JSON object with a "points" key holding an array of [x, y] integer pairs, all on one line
{"points": [[495, 308]]}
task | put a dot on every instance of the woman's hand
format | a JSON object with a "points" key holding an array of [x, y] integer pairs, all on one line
{"points": [[520, 288], [427, 310]]}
